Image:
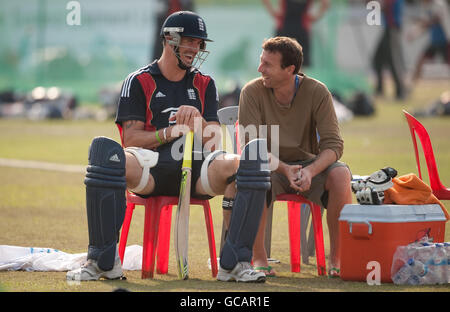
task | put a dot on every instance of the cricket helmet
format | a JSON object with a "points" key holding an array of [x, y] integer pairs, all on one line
{"points": [[186, 24]]}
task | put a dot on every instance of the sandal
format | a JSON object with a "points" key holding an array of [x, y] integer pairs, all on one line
{"points": [[268, 270], [334, 273]]}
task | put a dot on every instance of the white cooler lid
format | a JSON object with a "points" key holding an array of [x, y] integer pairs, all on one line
{"points": [[392, 213]]}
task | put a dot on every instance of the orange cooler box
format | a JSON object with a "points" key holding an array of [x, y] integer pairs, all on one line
{"points": [[373, 232]]}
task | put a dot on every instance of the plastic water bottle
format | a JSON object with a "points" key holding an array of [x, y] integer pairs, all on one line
{"points": [[411, 250], [438, 265], [424, 253], [447, 251], [403, 275], [421, 275], [417, 272]]}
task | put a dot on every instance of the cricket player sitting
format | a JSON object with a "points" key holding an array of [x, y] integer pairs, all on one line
{"points": [[159, 103]]}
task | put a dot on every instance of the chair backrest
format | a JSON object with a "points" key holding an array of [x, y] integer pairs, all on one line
{"points": [[416, 127], [228, 116]]}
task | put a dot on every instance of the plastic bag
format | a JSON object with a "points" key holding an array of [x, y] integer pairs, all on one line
{"points": [[421, 263]]}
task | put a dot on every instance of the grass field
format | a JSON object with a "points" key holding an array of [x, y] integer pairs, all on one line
{"points": [[47, 208]]}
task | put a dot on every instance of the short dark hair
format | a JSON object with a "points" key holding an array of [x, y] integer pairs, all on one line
{"points": [[291, 51]]}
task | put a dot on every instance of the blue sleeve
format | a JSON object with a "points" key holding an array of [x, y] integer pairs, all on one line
{"points": [[398, 12]]}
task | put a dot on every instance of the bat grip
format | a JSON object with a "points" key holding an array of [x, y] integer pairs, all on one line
{"points": [[187, 156]]}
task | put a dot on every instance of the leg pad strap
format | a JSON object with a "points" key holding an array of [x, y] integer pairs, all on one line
{"points": [[204, 172], [147, 159]]}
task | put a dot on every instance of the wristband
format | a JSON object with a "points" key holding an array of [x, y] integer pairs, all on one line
{"points": [[164, 134], [158, 138]]}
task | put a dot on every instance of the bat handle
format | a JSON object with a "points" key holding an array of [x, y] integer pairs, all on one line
{"points": [[187, 156]]}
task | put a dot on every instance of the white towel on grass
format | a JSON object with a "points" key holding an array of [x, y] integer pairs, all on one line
{"points": [[14, 258]]}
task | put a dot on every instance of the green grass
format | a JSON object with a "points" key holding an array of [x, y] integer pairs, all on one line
{"points": [[58, 141], [47, 209]]}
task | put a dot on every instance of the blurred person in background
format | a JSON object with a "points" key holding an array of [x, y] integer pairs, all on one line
{"points": [[293, 19], [437, 23], [389, 51], [164, 9]]}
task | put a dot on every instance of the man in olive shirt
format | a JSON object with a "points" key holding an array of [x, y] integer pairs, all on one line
{"points": [[301, 123]]}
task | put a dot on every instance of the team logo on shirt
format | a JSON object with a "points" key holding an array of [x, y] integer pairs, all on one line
{"points": [[191, 94], [160, 94]]}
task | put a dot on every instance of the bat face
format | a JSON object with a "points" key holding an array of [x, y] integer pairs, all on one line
{"points": [[182, 225], [182, 217]]}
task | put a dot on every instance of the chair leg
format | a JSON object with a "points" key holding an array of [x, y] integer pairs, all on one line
{"points": [[305, 213], [268, 231], [162, 252], [211, 239], [294, 234], [151, 227], [310, 244], [318, 237], [125, 230]]}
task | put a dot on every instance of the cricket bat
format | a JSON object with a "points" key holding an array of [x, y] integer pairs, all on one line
{"points": [[182, 217]]}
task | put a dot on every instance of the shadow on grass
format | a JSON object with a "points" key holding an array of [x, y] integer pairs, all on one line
{"points": [[285, 282]]}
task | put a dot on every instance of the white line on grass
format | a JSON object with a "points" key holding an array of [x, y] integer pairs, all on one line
{"points": [[32, 164]]}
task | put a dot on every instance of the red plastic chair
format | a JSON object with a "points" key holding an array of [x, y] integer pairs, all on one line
{"points": [[294, 203], [158, 218], [415, 127], [157, 224]]}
